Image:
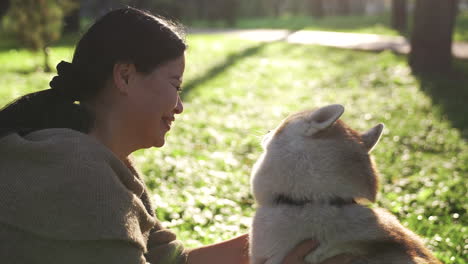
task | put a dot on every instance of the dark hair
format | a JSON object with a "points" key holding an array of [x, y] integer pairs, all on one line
{"points": [[123, 35]]}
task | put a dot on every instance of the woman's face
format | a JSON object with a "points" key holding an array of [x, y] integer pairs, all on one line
{"points": [[155, 101]]}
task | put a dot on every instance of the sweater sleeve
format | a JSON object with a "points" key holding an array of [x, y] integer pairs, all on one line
{"points": [[163, 248], [161, 244], [19, 247]]}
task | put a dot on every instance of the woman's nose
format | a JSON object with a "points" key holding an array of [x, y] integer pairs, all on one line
{"points": [[179, 107]]}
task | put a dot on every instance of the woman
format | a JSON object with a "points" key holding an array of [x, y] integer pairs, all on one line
{"points": [[69, 193]]}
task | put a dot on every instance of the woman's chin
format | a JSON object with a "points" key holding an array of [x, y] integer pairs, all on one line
{"points": [[159, 145], [160, 141]]}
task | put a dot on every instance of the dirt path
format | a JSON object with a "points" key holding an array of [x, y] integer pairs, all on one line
{"points": [[355, 41]]}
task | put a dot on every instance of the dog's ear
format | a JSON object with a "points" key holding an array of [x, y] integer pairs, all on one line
{"points": [[372, 136], [323, 117]]}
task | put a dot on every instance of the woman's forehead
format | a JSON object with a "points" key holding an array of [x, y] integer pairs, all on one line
{"points": [[175, 68]]}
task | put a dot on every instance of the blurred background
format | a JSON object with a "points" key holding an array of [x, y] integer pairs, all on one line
{"points": [[250, 63], [431, 26]]}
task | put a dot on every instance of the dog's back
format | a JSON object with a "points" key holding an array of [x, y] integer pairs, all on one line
{"points": [[311, 182]]}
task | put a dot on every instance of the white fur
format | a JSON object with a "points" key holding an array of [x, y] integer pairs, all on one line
{"points": [[306, 158]]}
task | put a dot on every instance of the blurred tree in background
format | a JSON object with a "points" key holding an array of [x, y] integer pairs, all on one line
{"points": [[37, 23], [4, 5], [399, 15], [71, 21], [316, 8], [343, 7], [229, 11], [431, 40], [226, 11]]}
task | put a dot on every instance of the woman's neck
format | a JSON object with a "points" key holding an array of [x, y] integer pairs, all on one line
{"points": [[109, 140]]}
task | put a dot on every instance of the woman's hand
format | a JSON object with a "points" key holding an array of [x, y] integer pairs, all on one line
{"points": [[233, 251], [297, 255]]}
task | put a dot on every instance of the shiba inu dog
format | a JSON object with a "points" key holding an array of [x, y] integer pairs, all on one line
{"points": [[313, 181]]}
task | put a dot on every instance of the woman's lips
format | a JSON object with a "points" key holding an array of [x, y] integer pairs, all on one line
{"points": [[168, 121]]}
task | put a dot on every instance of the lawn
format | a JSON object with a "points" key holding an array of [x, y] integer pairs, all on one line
{"points": [[371, 24], [237, 90]]}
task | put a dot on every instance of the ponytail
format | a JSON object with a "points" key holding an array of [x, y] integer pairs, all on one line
{"points": [[51, 108]]}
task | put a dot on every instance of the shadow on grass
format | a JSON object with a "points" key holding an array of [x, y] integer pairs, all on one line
{"points": [[221, 67], [228, 62], [27, 71], [451, 94]]}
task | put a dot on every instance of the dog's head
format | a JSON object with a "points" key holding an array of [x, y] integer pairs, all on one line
{"points": [[313, 155]]}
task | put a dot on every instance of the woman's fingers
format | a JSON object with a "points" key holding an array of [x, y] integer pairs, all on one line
{"points": [[297, 255]]}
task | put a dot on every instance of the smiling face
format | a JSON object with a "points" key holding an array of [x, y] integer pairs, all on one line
{"points": [[154, 102]]}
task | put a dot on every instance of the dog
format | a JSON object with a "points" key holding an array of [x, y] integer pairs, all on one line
{"points": [[316, 180]]}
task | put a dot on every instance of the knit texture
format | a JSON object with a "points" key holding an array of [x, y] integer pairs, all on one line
{"points": [[63, 185]]}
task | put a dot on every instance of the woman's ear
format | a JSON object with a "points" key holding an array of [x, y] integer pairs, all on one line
{"points": [[121, 74]]}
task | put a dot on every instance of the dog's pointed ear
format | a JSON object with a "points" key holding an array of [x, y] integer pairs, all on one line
{"points": [[372, 136], [323, 117]]}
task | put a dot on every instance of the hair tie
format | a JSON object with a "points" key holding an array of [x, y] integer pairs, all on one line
{"points": [[66, 82]]}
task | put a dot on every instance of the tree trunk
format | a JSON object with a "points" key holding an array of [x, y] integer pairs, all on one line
{"points": [[231, 7], [72, 22], [4, 5], [431, 40], [357, 7], [344, 7], [316, 8], [296, 7], [277, 8], [399, 15], [457, 7], [256, 9], [47, 68], [201, 9]]}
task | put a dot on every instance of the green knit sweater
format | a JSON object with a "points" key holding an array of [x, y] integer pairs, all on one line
{"points": [[66, 198]]}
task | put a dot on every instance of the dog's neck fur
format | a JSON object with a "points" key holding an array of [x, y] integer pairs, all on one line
{"points": [[282, 199]]}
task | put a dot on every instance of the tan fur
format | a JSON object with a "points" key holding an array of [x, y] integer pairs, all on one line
{"points": [[314, 157]]}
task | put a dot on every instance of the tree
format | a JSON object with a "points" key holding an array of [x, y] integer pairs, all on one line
{"points": [[316, 8], [4, 5], [230, 8], [431, 39], [72, 20], [399, 15], [344, 7], [277, 6], [37, 23]]}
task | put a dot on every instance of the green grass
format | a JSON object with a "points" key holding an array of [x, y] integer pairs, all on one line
{"points": [[358, 24], [461, 27], [371, 24], [236, 90]]}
